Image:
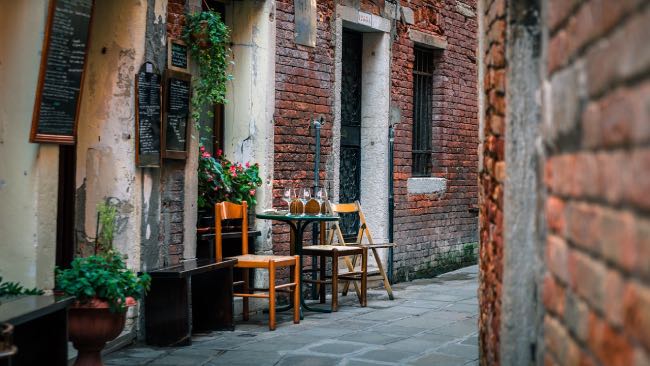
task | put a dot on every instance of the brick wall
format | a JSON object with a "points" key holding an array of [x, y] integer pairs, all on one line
{"points": [[491, 182], [304, 86], [597, 286], [426, 225]]}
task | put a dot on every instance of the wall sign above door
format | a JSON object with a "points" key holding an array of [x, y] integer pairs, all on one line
{"points": [[305, 20], [60, 80]]}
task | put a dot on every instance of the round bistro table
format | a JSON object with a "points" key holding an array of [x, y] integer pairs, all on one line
{"points": [[298, 223]]}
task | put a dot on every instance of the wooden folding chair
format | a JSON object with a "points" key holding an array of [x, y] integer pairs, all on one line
{"points": [[347, 208], [230, 211]]}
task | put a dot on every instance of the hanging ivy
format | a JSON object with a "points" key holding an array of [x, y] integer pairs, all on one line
{"points": [[208, 40]]}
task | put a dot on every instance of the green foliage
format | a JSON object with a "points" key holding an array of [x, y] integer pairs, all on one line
{"points": [[103, 276], [208, 38], [16, 289], [221, 180], [107, 225]]}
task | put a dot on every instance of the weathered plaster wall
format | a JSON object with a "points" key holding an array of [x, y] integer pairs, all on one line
{"points": [[106, 132], [28, 172], [248, 130]]}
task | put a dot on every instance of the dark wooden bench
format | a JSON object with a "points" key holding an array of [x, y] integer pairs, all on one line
{"points": [[193, 296], [40, 329]]}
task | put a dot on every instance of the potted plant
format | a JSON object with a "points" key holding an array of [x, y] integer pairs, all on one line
{"points": [[208, 40], [104, 288], [221, 180]]}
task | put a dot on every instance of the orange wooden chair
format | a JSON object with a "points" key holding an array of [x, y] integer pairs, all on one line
{"points": [[232, 211]]}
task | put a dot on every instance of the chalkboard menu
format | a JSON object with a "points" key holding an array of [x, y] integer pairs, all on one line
{"points": [[177, 113], [177, 55], [56, 108], [148, 116]]}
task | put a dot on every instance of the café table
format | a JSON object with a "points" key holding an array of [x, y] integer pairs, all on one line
{"points": [[297, 224]]}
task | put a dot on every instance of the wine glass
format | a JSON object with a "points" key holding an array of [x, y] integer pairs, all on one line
{"points": [[304, 197], [321, 196], [288, 195]]}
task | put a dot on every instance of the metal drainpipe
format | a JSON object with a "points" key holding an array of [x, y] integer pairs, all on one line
{"points": [[391, 199], [318, 123]]}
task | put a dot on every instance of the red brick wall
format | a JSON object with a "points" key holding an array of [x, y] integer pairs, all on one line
{"points": [[304, 84], [597, 285], [427, 224], [491, 178]]}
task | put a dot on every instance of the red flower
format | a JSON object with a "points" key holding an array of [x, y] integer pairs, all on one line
{"points": [[205, 154], [248, 165], [252, 192], [233, 169], [219, 152], [202, 148]]}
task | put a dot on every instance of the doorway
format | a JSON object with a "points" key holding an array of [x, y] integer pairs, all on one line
{"points": [[65, 217], [350, 158]]}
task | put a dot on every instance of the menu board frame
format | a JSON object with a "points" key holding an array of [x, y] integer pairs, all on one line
{"points": [[170, 64], [138, 158], [34, 135], [167, 153]]}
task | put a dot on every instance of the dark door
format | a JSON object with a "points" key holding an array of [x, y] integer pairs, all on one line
{"points": [[65, 234], [350, 165]]}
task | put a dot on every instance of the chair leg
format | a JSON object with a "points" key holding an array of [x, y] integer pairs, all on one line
{"points": [[296, 293], [271, 295], [389, 289], [245, 278], [335, 280], [351, 265], [323, 277], [364, 277]]}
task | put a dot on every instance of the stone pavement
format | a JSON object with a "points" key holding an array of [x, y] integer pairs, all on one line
{"points": [[430, 322]]}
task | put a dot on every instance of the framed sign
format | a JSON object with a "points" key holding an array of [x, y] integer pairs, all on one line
{"points": [[176, 116], [148, 116], [61, 74], [177, 55]]}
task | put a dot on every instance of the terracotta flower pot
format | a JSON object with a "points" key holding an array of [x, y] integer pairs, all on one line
{"points": [[90, 326]]}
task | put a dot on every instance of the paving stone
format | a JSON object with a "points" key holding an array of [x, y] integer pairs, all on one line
{"points": [[246, 357], [423, 326], [370, 337], [337, 348], [438, 359], [385, 355], [308, 360]]}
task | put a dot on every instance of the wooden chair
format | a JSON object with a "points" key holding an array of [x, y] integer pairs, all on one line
{"points": [[230, 211], [324, 251], [348, 208]]}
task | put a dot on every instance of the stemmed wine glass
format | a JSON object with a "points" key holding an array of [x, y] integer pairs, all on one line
{"points": [[321, 196], [288, 196], [304, 197]]}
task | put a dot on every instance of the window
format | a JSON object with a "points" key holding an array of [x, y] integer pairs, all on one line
{"points": [[422, 115]]}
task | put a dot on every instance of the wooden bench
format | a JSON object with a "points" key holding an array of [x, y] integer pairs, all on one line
{"points": [[231, 242], [40, 329], [193, 296]]}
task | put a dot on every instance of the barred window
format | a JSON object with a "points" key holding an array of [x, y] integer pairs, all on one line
{"points": [[422, 114]]}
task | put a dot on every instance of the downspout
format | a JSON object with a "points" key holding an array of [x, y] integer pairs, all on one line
{"points": [[391, 199]]}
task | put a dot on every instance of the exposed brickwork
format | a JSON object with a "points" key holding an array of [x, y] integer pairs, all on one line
{"points": [[426, 225], [175, 17], [598, 177], [596, 287], [492, 174]]}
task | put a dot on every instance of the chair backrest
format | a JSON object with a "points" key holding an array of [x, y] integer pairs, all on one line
{"points": [[349, 208], [230, 211]]}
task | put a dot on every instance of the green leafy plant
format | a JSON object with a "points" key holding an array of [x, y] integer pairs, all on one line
{"points": [[103, 276], [208, 40], [16, 289], [221, 180]]}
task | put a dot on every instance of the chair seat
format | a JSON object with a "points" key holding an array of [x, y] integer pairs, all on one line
{"points": [[262, 261], [376, 245], [323, 249]]}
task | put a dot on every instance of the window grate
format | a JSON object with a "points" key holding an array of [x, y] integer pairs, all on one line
{"points": [[422, 112]]}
